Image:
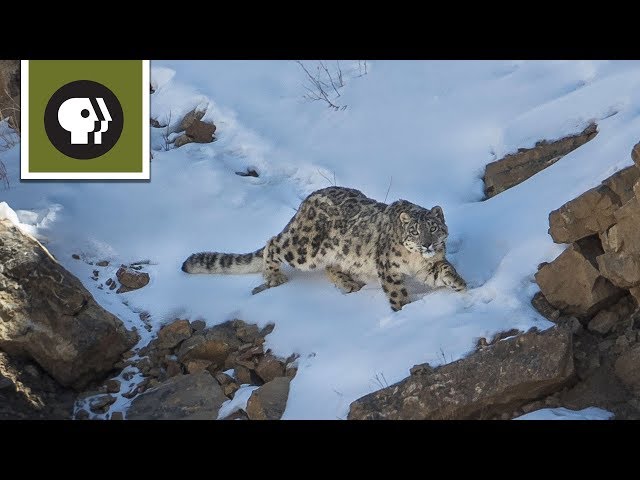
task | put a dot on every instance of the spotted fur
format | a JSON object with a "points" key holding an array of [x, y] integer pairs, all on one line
{"points": [[352, 237]]}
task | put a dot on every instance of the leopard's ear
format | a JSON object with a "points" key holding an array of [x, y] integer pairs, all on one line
{"points": [[405, 217], [437, 211]]}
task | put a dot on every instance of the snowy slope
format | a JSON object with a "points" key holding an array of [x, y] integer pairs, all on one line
{"points": [[422, 131]]}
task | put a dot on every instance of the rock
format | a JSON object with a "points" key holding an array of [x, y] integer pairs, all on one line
{"points": [[622, 269], [75, 256], [603, 322], [198, 325], [201, 132], [635, 154], [131, 279], [572, 282], [543, 307], [223, 378], [245, 332], [117, 416], [244, 375], [627, 367], [103, 263], [495, 380], [50, 317], [269, 401], [621, 183], [269, 367], [101, 403], [182, 140], [173, 368], [113, 385], [171, 335], [197, 366], [588, 214], [595, 210], [230, 389], [191, 117], [516, 168], [185, 397], [215, 345]]}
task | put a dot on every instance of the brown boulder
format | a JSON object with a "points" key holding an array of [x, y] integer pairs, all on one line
{"points": [[587, 214], [171, 335], [47, 314], [215, 345], [269, 367], [627, 367], [621, 183], [495, 380], [189, 118], [184, 397], [131, 279], [269, 401], [516, 168], [595, 210], [573, 284], [201, 132]]}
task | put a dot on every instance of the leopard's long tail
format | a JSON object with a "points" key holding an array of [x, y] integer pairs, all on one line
{"points": [[224, 263]]}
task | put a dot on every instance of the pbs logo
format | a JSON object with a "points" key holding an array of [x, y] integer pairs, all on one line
{"points": [[83, 119]]}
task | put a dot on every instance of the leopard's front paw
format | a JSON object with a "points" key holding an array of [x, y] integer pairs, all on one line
{"points": [[452, 279]]}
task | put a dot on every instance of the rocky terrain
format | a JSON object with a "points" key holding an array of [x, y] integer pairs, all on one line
{"points": [[54, 337], [188, 371], [591, 358]]}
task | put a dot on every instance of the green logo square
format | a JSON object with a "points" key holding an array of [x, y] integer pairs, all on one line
{"points": [[85, 119]]}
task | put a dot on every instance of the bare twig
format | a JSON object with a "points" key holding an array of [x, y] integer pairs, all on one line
{"points": [[388, 189], [327, 178]]}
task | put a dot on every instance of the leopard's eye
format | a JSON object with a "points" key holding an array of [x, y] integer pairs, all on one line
{"points": [[433, 228]]}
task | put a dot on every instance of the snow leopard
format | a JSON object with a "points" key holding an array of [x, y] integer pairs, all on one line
{"points": [[353, 238]]}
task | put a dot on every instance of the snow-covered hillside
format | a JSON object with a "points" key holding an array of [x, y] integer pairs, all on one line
{"points": [[421, 131]]}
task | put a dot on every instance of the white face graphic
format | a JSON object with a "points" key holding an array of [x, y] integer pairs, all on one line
{"points": [[77, 116]]}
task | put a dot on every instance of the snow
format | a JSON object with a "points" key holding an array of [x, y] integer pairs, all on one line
{"points": [[238, 402], [422, 131], [591, 413]]}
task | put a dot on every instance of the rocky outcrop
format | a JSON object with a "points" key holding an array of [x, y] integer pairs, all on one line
{"points": [[573, 284], [495, 379], [10, 92], [593, 212], [48, 316], [189, 369], [185, 397], [603, 262], [516, 168]]}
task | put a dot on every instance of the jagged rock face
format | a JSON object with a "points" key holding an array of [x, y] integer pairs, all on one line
{"points": [[48, 316], [593, 211], [516, 168], [573, 284], [497, 378]]}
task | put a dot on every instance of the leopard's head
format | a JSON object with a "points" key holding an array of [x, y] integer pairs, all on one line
{"points": [[422, 230]]}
